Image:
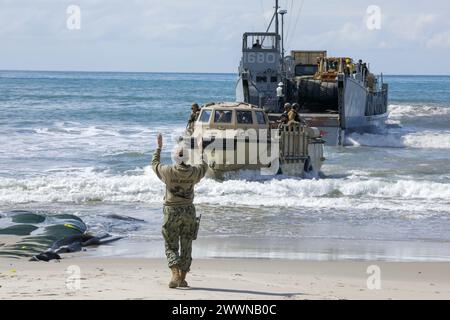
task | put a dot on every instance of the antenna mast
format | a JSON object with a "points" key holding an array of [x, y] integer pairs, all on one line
{"points": [[276, 17], [282, 13]]}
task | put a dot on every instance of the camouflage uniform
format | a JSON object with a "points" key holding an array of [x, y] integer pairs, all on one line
{"points": [[179, 224], [178, 229], [192, 118]]}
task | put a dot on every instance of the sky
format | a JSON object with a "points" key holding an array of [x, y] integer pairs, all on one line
{"points": [[205, 35]]}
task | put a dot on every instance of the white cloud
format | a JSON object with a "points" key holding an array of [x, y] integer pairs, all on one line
{"points": [[158, 34], [440, 40], [414, 27]]}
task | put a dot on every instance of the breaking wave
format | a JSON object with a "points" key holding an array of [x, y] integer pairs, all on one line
{"points": [[354, 192], [69, 130], [397, 111], [423, 140], [408, 136]]}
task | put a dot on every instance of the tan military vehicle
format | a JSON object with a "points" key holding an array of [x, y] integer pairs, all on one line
{"points": [[239, 136]]}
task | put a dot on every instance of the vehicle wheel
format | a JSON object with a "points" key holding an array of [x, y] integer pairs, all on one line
{"points": [[308, 165]]}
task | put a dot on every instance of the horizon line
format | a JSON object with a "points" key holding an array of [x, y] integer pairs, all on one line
{"points": [[188, 72]]}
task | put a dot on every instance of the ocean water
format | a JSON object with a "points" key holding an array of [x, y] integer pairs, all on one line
{"points": [[80, 144]]}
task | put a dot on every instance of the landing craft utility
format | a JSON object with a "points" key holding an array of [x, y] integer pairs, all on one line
{"points": [[336, 94]]}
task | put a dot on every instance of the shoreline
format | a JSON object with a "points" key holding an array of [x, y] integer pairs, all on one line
{"points": [[267, 248], [223, 279], [313, 249]]}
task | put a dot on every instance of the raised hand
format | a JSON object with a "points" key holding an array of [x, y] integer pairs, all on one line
{"points": [[159, 140]]}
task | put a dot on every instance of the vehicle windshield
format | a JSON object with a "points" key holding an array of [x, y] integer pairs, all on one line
{"points": [[260, 117], [244, 117], [223, 116], [204, 117]]}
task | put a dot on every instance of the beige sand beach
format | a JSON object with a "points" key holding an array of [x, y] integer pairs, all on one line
{"points": [[109, 278]]}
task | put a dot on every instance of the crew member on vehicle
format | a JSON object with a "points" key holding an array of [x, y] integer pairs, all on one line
{"points": [[294, 114], [193, 117], [284, 118]]}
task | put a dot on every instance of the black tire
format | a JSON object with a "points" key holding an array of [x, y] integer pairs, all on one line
{"points": [[308, 166]]}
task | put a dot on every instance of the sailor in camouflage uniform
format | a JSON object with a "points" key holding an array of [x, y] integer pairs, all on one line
{"points": [[193, 117], [180, 224]]}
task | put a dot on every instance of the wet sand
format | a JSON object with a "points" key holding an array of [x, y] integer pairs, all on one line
{"points": [[119, 278]]}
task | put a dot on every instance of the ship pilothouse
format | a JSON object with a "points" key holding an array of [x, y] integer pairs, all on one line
{"points": [[260, 69]]}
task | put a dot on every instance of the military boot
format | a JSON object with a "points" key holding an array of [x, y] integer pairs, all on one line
{"points": [[175, 281], [183, 282]]}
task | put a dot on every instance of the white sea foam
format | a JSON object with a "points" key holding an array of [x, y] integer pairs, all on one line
{"points": [[71, 139], [68, 130], [353, 193], [424, 139], [398, 111], [401, 137]]}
